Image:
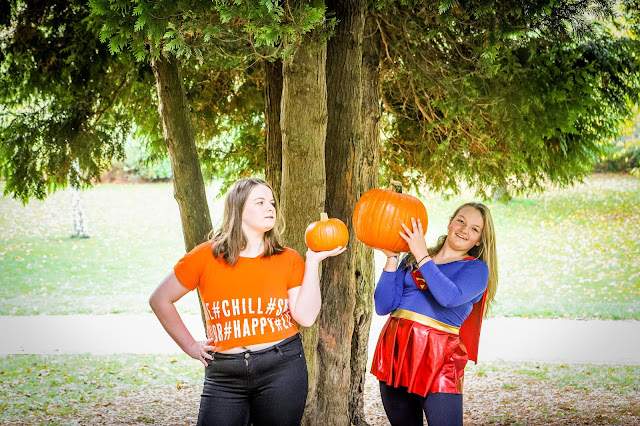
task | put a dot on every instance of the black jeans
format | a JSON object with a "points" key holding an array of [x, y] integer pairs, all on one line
{"points": [[266, 387]]}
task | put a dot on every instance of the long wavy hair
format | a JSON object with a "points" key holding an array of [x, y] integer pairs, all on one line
{"points": [[486, 251], [229, 240]]}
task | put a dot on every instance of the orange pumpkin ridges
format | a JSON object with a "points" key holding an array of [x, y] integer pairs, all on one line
{"points": [[326, 234], [378, 216]]}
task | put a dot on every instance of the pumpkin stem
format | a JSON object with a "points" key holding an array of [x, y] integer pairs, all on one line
{"points": [[395, 186], [324, 216]]}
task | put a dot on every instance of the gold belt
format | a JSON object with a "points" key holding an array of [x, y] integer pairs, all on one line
{"points": [[425, 320]]}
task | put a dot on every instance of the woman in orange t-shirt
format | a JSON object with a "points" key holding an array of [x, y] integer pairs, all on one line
{"points": [[252, 288]]}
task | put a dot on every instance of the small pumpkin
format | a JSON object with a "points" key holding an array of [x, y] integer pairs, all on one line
{"points": [[378, 216], [326, 234]]}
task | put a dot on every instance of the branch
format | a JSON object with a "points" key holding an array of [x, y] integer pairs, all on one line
{"points": [[113, 100], [384, 41]]}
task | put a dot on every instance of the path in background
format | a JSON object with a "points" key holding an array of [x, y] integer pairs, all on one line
{"points": [[508, 339]]}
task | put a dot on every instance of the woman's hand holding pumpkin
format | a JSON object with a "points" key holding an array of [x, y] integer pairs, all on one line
{"points": [[319, 256], [390, 253], [393, 259], [415, 238]]}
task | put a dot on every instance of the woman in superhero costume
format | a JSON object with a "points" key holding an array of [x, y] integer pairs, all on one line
{"points": [[436, 298]]}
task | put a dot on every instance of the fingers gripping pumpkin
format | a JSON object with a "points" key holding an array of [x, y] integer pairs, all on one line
{"points": [[326, 234], [379, 214]]}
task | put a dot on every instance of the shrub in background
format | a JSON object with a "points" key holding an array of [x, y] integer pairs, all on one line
{"points": [[139, 166], [624, 154]]}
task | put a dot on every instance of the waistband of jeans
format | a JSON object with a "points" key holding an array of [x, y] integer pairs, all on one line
{"points": [[242, 355]]}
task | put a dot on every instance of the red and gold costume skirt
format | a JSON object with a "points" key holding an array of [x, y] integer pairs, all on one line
{"points": [[419, 353]]}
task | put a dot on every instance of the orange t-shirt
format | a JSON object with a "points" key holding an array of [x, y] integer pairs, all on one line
{"points": [[246, 303]]}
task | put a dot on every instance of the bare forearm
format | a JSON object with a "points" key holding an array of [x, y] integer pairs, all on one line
{"points": [[307, 306], [172, 323], [392, 263]]}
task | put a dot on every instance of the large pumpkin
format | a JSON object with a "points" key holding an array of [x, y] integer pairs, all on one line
{"points": [[379, 214], [326, 234]]}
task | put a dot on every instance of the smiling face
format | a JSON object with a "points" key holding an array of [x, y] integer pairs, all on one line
{"points": [[465, 229], [259, 212]]}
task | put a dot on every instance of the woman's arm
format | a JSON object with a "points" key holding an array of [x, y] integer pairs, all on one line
{"points": [[469, 282], [388, 292], [305, 300], [162, 300]]}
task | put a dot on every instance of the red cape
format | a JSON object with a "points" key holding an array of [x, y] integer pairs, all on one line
{"points": [[470, 329]]}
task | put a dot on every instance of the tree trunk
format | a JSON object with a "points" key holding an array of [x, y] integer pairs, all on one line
{"points": [[78, 219], [303, 172], [77, 214], [367, 154], [188, 184], [342, 360], [273, 134]]}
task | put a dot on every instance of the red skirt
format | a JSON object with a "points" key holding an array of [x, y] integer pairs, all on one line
{"points": [[419, 357]]}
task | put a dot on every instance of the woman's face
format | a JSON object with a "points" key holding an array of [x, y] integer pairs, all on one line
{"points": [[465, 229], [259, 213]]}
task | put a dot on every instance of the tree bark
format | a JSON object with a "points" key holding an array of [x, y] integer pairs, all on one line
{"points": [[351, 168], [304, 123], [188, 184], [273, 133], [367, 155]]}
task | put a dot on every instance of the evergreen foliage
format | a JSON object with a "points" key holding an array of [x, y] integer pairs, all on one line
{"points": [[67, 96], [624, 154], [482, 93], [220, 46], [59, 88], [487, 94]]}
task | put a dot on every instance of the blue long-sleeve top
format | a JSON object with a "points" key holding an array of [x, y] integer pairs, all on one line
{"points": [[452, 289]]}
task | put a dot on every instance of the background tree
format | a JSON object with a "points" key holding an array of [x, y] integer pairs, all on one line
{"points": [[78, 219]]}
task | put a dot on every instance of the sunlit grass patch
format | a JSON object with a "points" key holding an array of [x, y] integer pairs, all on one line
{"points": [[618, 379], [37, 386], [135, 239], [572, 253]]}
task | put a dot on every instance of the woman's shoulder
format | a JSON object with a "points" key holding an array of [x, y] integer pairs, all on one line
{"points": [[475, 263], [198, 257], [203, 246], [290, 257], [200, 249], [290, 253], [476, 266], [468, 264]]}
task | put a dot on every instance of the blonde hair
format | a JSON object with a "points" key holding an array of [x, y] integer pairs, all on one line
{"points": [[229, 240], [486, 251]]}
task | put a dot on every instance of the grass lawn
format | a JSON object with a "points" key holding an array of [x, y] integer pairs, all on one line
{"points": [[571, 253], [163, 389]]}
